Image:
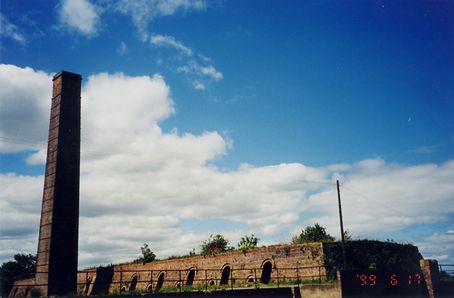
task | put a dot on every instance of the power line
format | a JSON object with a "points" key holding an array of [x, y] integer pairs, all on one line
{"points": [[43, 145], [318, 182], [397, 212], [97, 153], [21, 141]]}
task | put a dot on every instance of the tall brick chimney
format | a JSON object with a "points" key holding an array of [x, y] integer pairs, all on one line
{"points": [[56, 272]]}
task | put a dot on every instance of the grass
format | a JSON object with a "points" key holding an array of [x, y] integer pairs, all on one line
{"points": [[204, 288], [294, 282]]}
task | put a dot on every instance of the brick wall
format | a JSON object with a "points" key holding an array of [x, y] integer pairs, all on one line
{"points": [[239, 267], [321, 291], [431, 276], [21, 288]]}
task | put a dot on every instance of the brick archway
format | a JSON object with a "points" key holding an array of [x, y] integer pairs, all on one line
{"points": [[160, 282], [267, 267], [225, 275], [133, 283], [190, 276]]}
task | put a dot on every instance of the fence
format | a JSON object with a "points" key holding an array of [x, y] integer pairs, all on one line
{"points": [[123, 281], [446, 272], [193, 279]]}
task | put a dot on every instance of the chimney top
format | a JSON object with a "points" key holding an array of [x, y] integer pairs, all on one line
{"points": [[67, 74]]}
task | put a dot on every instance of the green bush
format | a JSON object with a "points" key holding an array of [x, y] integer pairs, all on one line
{"points": [[215, 245], [147, 255], [23, 266], [372, 255], [247, 242], [315, 233]]}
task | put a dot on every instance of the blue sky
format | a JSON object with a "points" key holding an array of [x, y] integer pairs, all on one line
{"points": [[234, 117]]}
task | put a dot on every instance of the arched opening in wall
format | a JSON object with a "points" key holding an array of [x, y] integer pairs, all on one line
{"points": [[150, 288], [190, 277], [250, 279], [133, 284], [267, 266], [211, 282], [123, 289], [178, 284], [160, 281], [225, 275]]}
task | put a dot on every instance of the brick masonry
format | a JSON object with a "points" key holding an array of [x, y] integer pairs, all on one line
{"points": [[431, 276], [56, 272], [241, 268]]}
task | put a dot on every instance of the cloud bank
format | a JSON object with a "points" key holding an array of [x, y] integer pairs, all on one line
{"points": [[141, 184], [25, 104]]}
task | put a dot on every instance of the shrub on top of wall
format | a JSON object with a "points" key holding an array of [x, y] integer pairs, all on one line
{"points": [[372, 255]]}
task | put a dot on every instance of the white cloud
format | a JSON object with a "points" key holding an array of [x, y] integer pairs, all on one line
{"points": [[170, 41], [194, 68], [121, 107], [19, 202], [25, 97], [8, 29], [169, 7], [427, 149], [439, 246], [79, 15], [198, 68], [143, 12], [380, 196], [211, 72], [198, 85], [122, 49], [38, 157], [139, 184], [84, 17]]}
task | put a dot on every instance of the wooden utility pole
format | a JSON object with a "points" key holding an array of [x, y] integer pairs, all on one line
{"points": [[341, 225]]}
